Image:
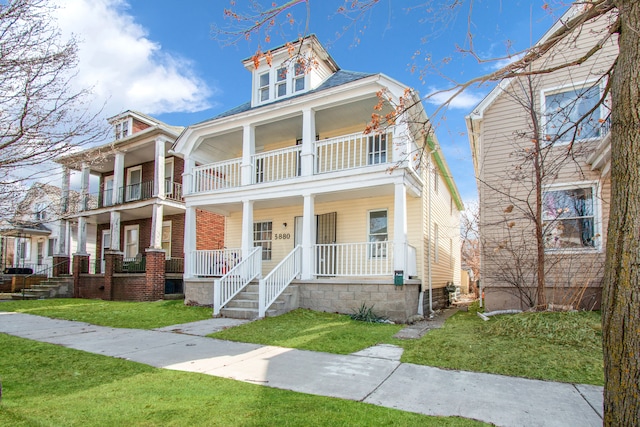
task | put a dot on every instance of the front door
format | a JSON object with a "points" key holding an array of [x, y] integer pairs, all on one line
{"points": [[106, 244], [326, 235]]}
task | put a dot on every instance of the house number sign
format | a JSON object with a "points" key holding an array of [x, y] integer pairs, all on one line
{"points": [[282, 236]]}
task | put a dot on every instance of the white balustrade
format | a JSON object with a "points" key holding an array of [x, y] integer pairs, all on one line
{"points": [[216, 176], [277, 165], [228, 286], [354, 259], [215, 263], [352, 151]]}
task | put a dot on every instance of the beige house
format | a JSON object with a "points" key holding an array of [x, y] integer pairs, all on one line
{"points": [[316, 208], [572, 127]]}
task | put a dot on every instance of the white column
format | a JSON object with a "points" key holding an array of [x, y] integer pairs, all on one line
{"points": [[400, 227], [399, 147], [308, 236], [158, 184], [156, 226], [115, 231], [248, 150], [308, 140], [118, 178], [189, 241], [187, 176], [84, 187], [82, 236], [247, 227], [63, 246]]}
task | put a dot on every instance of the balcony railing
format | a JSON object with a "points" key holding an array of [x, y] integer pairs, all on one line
{"points": [[217, 176], [334, 154], [135, 192], [132, 193]]}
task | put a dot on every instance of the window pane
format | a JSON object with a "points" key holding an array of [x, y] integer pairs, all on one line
{"points": [[281, 74], [264, 94], [377, 223], [571, 203], [264, 80], [282, 89], [565, 109], [299, 84]]}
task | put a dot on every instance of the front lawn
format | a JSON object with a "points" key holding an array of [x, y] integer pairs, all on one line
{"points": [[49, 385], [312, 330], [116, 314]]}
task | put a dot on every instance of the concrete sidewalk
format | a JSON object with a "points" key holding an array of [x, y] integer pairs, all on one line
{"points": [[374, 375]]}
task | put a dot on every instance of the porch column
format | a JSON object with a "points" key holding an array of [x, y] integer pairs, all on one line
{"points": [[84, 187], [400, 227], [63, 247], [248, 150], [308, 139], [187, 176], [189, 241], [82, 236], [158, 181], [118, 178], [156, 226], [308, 236], [247, 227], [114, 225]]}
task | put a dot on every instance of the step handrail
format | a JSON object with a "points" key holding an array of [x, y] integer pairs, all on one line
{"points": [[270, 288], [236, 279]]}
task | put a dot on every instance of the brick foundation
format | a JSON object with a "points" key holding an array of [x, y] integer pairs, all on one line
{"points": [[80, 263]]}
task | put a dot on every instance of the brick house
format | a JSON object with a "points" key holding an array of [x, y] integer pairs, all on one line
{"points": [[138, 213], [315, 207]]}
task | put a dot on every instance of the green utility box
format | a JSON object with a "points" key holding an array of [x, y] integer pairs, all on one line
{"points": [[398, 277]]}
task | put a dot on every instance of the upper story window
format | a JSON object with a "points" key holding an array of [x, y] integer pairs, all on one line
{"points": [[40, 211], [263, 90], [123, 128], [569, 217], [281, 82], [572, 114]]}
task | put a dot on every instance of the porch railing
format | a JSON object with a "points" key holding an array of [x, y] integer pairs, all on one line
{"points": [[131, 265], [352, 151], [215, 263], [229, 285], [134, 192], [272, 286], [174, 265], [216, 176], [173, 190], [354, 259], [277, 165]]}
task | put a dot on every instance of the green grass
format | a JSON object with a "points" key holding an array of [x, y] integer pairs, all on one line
{"points": [[117, 314], [313, 330], [564, 347], [48, 385]]}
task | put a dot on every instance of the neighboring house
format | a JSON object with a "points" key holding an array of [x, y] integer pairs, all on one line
{"points": [[575, 165], [31, 238], [137, 214], [348, 217]]}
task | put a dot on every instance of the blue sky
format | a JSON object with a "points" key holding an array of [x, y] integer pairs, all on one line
{"points": [[159, 57]]}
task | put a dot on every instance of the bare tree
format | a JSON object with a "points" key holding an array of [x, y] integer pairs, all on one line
{"points": [[41, 115], [621, 287]]}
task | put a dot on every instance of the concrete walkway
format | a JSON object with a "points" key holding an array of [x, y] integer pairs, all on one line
{"points": [[373, 375]]}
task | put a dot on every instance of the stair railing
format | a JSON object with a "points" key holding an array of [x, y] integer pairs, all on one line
{"points": [[270, 288], [48, 272], [236, 279]]}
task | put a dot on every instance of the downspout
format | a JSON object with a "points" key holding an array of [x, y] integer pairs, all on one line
{"points": [[430, 236]]}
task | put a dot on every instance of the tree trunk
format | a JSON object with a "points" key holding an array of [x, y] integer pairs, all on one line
{"points": [[621, 289]]}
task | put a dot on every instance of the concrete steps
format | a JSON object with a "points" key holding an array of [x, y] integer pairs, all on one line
{"points": [[245, 304], [54, 287]]}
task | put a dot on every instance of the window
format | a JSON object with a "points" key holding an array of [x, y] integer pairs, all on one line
{"points": [[23, 249], [281, 82], [377, 149], [51, 246], [262, 237], [107, 191], [166, 238], [569, 218], [263, 90], [122, 128], [131, 241], [378, 234], [298, 78], [563, 110], [134, 183], [436, 243], [40, 212], [168, 176]]}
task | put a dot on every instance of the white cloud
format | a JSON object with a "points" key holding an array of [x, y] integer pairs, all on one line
{"points": [[465, 100], [124, 66]]}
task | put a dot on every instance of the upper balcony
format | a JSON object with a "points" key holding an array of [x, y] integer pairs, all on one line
{"points": [[130, 194], [350, 152]]}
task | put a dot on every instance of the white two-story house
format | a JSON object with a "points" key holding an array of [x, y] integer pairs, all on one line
{"points": [[312, 203]]}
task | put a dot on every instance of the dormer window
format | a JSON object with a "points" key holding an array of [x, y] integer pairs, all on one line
{"points": [[122, 128], [298, 78], [263, 90], [281, 82]]}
